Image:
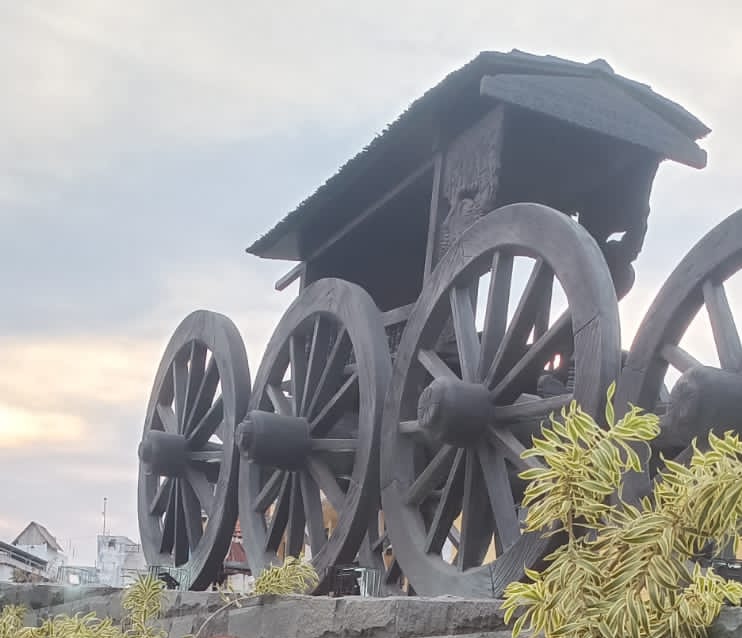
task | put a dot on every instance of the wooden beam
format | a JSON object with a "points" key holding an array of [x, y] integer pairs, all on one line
{"points": [[291, 276], [397, 315], [433, 218], [373, 208]]}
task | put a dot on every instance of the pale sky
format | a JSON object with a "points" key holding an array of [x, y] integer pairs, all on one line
{"points": [[146, 144]]}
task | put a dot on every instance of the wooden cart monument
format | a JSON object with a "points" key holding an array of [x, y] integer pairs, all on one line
{"points": [[458, 282]]}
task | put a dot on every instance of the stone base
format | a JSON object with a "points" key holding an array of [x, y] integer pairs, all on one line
{"points": [[187, 613]]}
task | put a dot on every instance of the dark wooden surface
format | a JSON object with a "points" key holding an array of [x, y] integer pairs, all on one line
{"points": [[425, 487], [383, 252], [201, 391], [573, 95], [331, 322], [468, 183], [703, 398], [697, 282]]}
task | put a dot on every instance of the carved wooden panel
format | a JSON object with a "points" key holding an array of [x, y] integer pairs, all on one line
{"points": [[469, 179]]}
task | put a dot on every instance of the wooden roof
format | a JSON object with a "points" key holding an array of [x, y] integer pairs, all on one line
{"points": [[588, 95]]}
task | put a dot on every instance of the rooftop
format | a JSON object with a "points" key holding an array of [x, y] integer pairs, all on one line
{"points": [[589, 95]]}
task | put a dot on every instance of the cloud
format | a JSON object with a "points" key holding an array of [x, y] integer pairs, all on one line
{"points": [[19, 427], [93, 81]]}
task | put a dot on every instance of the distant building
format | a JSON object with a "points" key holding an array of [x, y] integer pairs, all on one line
{"points": [[35, 539], [77, 575], [19, 566], [119, 561], [236, 570]]}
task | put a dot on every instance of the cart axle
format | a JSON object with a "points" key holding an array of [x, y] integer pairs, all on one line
{"points": [[274, 440], [164, 453], [454, 411]]}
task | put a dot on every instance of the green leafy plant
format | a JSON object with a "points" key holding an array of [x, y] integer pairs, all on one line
{"points": [[11, 621], [295, 576], [142, 601], [77, 626], [143, 604], [625, 570]]}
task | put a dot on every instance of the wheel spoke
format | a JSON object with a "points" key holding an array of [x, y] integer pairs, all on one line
{"points": [[500, 494], [514, 341], [180, 549], [332, 372], [196, 370], [448, 507], [433, 474], [204, 395], [723, 327], [160, 500], [310, 496], [321, 335], [526, 417], [335, 407], [167, 418], [511, 448], [207, 426], [327, 483], [280, 515], [678, 358], [435, 365], [465, 330], [524, 373], [298, 358], [296, 522], [269, 491], [475, 529], [191, 515], [180, 385], [280, 401], [168, 524], [496, 312], [202, 489]]}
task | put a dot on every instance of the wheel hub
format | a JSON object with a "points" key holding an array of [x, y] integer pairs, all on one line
{"points": [[163, 452], [454, 411], [274, 440]]}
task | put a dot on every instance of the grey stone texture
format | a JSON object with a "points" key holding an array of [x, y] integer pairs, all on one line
{"points": [[187, 613]]}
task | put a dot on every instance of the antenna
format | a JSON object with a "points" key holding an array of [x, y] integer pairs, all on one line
{"points": [[105, 500]]}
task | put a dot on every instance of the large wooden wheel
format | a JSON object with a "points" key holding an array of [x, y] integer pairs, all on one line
{"points": [[703, 396], [188, 461], [458, 414], [310, 440]]}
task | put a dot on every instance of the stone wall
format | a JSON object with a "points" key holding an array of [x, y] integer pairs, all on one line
{"points": [[297, 616]]}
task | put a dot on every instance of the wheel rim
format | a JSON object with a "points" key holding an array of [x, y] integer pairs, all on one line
{"points": [[332, 347], [697, 282], [468, 468], [187, 468]]}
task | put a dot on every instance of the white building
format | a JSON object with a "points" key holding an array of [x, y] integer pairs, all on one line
{"points": [[119, 561], [17, 565], [35, 539]]}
